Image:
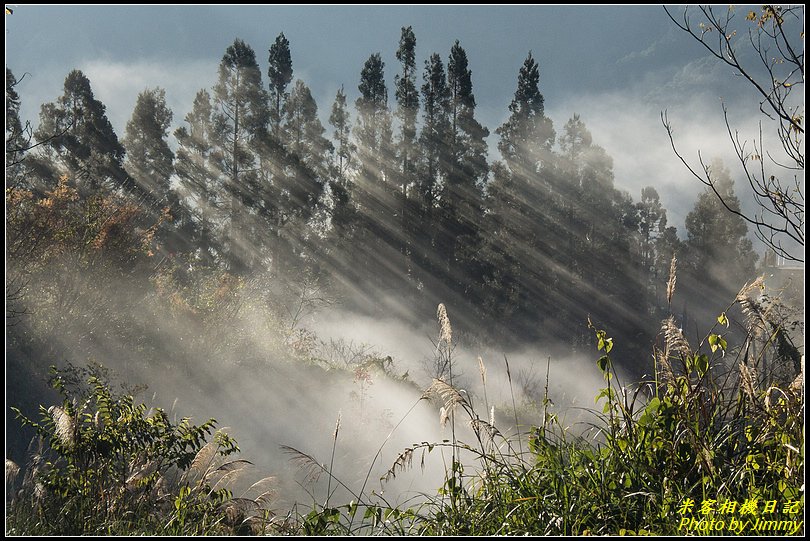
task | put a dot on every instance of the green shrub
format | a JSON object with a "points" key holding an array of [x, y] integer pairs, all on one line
{"points": [[708, 439], [104, 464]]}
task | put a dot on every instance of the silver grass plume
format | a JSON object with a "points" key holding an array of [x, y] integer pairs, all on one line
{"points": [[229, 472], [204, 458], [665, 366], [263, 484], [404, 460], [748, 379], [798, 383], [671, 281], [449, 394], [748, 288], [755, 315], [446, 332], [674, 344], [64, 425], [337, 427], [451, 397], [444, 416], [304, 462], [12, 470], [674, 339], [141, 471]]}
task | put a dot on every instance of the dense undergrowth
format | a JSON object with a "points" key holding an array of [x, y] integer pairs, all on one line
{"points": [[711, 442]]}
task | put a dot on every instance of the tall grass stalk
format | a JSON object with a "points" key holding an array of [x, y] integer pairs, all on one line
{"points": [[514, 404]]}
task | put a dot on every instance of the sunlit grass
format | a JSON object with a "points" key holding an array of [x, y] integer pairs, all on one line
{"points": [[705, 435], [674, 455]]}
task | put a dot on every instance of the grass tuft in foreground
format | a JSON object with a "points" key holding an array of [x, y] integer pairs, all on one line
{"points": [[101, 464], [713, 442]]}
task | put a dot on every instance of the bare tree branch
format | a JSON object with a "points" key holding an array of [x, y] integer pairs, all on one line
{"points": [[777, 71]]}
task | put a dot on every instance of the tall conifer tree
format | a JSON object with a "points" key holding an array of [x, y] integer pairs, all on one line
{"points": [[198, 166], [406, 147], [240, 120], [80, 141]]}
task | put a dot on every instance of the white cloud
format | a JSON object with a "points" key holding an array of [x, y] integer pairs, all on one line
{"points": [[117, 85], [627, 123], [654, 48]]}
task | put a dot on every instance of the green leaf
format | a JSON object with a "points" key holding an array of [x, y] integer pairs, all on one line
{"points": [[716, 342], [702, 364], [722, 319], [603, 362], [604, 393]]}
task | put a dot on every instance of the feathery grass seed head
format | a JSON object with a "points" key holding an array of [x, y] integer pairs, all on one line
{"points": [[671, 281], [446, 331], [12, 470], [63, 424]]}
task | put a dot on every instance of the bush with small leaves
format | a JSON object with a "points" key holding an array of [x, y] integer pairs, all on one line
{"points": [[104, 464]]}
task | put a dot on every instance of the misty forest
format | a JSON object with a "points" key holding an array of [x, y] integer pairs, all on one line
{"points": [[379, 316]]}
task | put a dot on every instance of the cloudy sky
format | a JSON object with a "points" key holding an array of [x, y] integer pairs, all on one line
{"points": [[617, 67]]}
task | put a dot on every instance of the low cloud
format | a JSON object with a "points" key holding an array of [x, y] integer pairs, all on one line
{"points": [[117, 85], [628, 125], [666, 40]]}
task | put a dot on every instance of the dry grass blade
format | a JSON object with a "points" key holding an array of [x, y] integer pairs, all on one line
{"points": [[770, 397], [514, 405], [261, 483], [311, 467], [748, 379], [267, 497], [480, 426], [403, 462], [142, 472], [234, 465], [665, 366], [483, 370]]}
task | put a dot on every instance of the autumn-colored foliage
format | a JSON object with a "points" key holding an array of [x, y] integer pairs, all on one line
{"points": [[40, 230]]}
